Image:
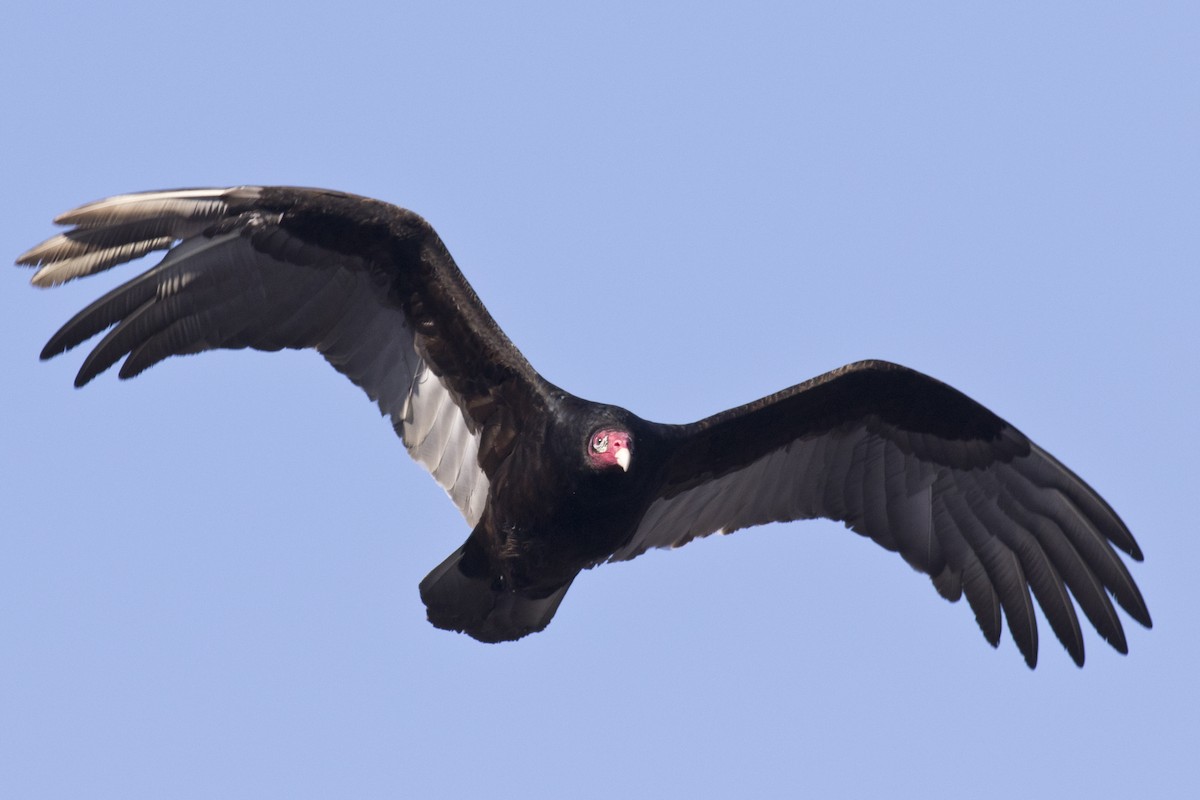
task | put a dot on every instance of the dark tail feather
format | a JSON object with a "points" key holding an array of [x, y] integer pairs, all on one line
{"points": [[461, 597]]}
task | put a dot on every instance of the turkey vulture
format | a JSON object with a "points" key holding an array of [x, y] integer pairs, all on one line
{"points": [[552, 484]]}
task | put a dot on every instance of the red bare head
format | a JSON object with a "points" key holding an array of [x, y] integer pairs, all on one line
{"points": [[610, 447]]}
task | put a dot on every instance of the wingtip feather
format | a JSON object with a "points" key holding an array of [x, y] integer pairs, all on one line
{"points": [[186, 203]]}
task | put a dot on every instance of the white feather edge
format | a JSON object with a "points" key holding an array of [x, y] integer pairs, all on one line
{"points": [[421, 409], [60, 271], [436, 434], [187, 203]]}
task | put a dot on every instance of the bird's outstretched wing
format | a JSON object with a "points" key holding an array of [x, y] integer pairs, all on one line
{"points": [[923, 470], [368, 285]]}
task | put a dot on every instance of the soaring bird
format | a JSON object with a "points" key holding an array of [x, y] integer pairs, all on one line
{"points": [[552, 484]]}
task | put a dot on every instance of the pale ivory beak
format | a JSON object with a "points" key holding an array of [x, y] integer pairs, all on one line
{"points": [[623, 457]]}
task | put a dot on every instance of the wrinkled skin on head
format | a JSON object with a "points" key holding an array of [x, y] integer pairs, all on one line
{"points": [[610, 448]]}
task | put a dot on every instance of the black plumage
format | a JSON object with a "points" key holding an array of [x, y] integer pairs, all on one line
{"points": [[553, 484]]}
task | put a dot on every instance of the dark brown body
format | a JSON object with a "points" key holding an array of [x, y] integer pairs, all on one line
{"points": [[897, 456]]}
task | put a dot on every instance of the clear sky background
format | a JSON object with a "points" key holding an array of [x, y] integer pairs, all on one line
{"points": [[208, 576]]}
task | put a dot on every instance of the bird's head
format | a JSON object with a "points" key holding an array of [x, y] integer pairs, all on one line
{"points": [[609, 448]]}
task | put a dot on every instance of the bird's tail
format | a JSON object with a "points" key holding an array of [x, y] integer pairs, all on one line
{"points": [[461, 594]]}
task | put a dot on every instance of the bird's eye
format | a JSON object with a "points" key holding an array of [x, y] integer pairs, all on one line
{"points": [[601, 443]]}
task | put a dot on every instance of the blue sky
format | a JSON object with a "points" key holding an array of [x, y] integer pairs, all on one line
{"points": [[208, 575]]}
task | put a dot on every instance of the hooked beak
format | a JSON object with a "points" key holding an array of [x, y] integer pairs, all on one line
{"points": [[623, 456]]}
